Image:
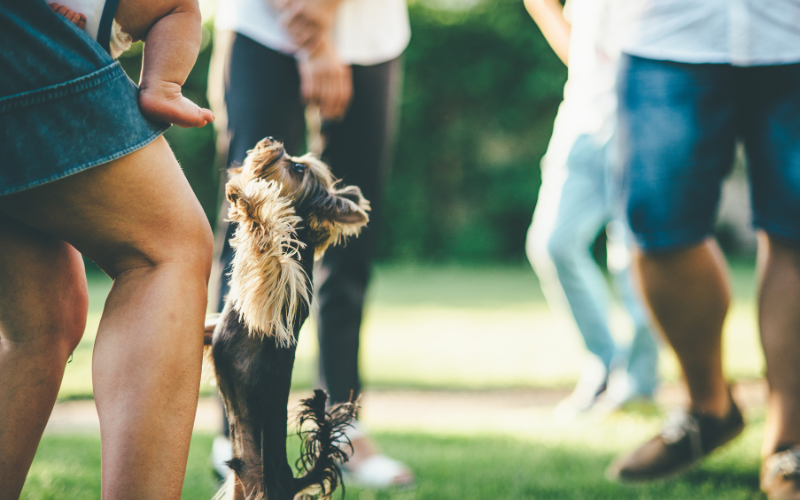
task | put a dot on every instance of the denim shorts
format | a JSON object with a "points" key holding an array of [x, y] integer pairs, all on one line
{"points": [[678, 128], [65, 105]]}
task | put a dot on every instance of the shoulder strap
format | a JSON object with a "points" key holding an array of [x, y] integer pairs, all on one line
{"points": [[104, 31]]}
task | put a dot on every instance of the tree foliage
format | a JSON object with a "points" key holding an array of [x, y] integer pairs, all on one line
{"points": [[480, 93]]}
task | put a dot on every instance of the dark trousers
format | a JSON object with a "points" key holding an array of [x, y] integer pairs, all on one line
{"points": [[262, 97]]}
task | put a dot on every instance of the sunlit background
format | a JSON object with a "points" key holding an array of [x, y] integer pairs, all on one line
{"points": [[462, 359]]}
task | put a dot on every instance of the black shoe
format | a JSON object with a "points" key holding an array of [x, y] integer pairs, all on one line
{"points": [[686, 438]]}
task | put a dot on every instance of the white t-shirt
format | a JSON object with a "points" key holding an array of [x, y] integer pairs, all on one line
{"points": [[366, 32], [738, 32], [590, 100]]}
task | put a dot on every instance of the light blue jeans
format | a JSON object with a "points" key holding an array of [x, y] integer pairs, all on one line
{"points": [[577, 200]]}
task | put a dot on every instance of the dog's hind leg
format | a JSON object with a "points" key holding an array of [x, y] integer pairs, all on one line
{"points": [[254, 377]]}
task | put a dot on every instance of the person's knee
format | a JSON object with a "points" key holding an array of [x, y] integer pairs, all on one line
{"points": [[199, 249], [64, 316], [194, 250], [50, 314], [536, 248]]}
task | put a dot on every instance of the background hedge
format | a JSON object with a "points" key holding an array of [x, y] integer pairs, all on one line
{"points": [[480, 94]]}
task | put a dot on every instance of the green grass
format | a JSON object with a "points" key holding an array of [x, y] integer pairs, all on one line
{"points": [[465, 328], [542, 460], [68, 467]]}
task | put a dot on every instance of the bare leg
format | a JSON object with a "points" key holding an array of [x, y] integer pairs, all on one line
{"points": [[172, 34], [779, 320], [139, 220], [43, 276], [687, 291]]}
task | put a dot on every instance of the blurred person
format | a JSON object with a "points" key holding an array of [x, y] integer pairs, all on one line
{"points": [[172, 35], [578, 198], [695, 77], [342, 57], [84, 172]]}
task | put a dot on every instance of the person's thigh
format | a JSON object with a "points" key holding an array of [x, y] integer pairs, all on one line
{"points": [[571, 208], [262, 98], [676, 130], [770, 101], [136, 211], [358, 150]]}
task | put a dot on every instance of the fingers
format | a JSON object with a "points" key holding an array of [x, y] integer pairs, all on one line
{"points": [[306, 21], [336, 95], [330, 91], [347, 91], [303, 31]]}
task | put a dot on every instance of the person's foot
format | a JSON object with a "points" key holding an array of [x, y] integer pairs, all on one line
{"points": [[686, 438], [367, 467], [780, 475], [593, 383], [622, 394], [163, 102], [78, 20]]}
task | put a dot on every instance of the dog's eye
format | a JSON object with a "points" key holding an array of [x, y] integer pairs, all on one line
{"points": [[298, 167]]}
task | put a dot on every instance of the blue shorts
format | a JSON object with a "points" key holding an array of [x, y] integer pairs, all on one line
{"points": [[678, 126], [65, 105]]}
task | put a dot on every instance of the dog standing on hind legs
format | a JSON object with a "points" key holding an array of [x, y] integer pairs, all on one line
{"points": [[288, 211]]}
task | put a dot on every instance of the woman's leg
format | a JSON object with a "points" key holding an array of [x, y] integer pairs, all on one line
{"points": [[139, 220], [43, 278], [262, 98], [358, 150]]}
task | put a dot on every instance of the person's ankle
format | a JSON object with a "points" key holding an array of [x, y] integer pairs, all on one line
{"points": [[717, 405]]}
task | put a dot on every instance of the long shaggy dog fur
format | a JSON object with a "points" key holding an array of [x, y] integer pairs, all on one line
{"points": [[267, 281], [288, 211]]}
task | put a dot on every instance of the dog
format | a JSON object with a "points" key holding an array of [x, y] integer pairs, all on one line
{"points": [[288, 210]]}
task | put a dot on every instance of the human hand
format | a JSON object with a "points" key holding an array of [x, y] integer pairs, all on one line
{"points": [[325, 81], [307, 21]]}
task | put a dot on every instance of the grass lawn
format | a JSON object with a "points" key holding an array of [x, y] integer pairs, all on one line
{"points": [[466, 328], [543, 461]]}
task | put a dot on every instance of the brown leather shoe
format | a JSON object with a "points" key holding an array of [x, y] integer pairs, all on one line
{"points": [[685, 439], [780, 475]]}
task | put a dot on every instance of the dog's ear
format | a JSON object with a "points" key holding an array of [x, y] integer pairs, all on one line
{"points": [[345, 207], [240, 209]]}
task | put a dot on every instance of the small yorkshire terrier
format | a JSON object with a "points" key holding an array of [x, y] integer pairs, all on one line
{"points": [[288, 211]]}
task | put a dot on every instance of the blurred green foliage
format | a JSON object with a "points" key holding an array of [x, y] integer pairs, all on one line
{"points": [[480, 94], [481, 91]]}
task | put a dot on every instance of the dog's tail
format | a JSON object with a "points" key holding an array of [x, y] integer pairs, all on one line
{"points": [[323, 443]]}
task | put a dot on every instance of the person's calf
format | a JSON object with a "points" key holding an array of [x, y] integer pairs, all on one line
{"points": [[688, 295], [43, 305]]}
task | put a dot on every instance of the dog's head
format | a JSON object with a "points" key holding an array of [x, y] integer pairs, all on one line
{"points": [[282, 205], [330, 211]]}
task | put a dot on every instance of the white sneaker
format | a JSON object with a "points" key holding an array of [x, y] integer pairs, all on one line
{"points": [[221, 453], [621, 392], [593, 383]]}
